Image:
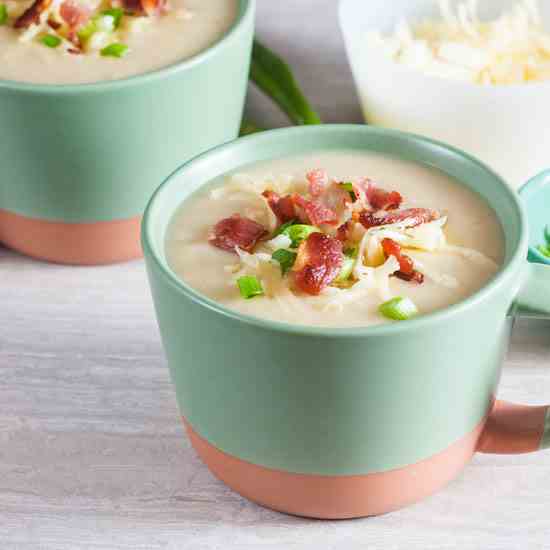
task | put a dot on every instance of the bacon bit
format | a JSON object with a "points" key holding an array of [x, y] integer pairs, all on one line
{"points": [[344, 231], [153, 7], [143, 7], [317, 182], [318, 263], [414, 277], [316, 211], [282, 207], [379, 199], [236, 231], [406, 272], [417, 216], [55, 25], [74, 14], [74, 51], [31, 16]]}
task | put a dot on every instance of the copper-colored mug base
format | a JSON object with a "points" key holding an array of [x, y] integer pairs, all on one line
{"points": [[337, 497], [93, 243]]}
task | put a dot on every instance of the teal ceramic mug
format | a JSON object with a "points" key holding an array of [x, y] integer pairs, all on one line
{"points": [[80, 162], [339, 423]]}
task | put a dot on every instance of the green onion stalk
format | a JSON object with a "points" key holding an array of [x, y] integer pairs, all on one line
{"points": [[273, 76]]}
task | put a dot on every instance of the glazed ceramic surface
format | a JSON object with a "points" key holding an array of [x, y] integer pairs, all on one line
{"points": [[487, 121], [96, 152], [334, 403]]}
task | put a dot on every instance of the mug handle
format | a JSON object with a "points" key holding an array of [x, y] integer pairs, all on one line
{"points": [[511, 428]]}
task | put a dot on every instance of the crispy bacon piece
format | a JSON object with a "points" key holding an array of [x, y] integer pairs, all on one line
{"points": [[283, 207], [74, 14], [317, 182], [407, 272], [153, 7], [143, 7], [32, 14], [236, 231], [416, 215], [55, 25], [318, 263], [380, 199], [344, 231], [316, 211], [414, 277]]}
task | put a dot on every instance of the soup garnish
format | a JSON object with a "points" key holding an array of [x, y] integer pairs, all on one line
{"points": [[333, 238], [78, 26]]}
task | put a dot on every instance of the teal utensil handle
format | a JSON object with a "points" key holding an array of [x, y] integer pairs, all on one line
{"points": [[534, 297]]}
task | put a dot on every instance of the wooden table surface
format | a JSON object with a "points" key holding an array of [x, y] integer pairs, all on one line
{"points": [[92, 453]]}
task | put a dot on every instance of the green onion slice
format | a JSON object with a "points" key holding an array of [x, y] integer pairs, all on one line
{"points": [[351, 252], [51, 40], [346, 270], [544, 250], [249, 286], [3, 14], [87, 30], [116, 14], [116, 49], [547, 235], [398, 309], [282, 228], [286, 259], [348, 186], [299, 233]]}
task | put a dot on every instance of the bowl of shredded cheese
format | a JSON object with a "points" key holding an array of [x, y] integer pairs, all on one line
{"points": [[473, 73]]}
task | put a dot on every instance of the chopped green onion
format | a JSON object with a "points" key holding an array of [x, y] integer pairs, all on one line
{"points": [[249, 286], [351, 252], [348, 186], [299, 233], [105, 23], [282, 228], [87, 30], [398, 309], [116, 14], [346, 270], [544, 250], [286, 258], [116, 49], [51, 40], [547, 235], [3, 14]]}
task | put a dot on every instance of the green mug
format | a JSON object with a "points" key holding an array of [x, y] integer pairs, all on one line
{"points": [[80, 162], [334, 422]]}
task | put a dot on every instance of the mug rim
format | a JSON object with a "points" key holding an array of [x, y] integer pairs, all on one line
{"points": [[246, 12], [516, 259]]}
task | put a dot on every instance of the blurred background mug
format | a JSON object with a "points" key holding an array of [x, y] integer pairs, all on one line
{"points": [[80, 162]]}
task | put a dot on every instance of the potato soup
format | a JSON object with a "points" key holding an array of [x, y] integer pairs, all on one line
{"points": [[335, 239], [79, 41]]}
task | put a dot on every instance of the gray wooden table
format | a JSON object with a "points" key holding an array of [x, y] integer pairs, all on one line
{"points": [[93, 456]]}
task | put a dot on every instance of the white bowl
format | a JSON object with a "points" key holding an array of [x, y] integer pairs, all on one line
{"points": [[506, 126]]}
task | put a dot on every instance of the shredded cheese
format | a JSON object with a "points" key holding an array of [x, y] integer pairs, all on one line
{"points": [[513, 48], [372, 271]]}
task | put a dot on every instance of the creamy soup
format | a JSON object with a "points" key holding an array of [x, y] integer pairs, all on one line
{"points": [[387, 240], [77, 41]]}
